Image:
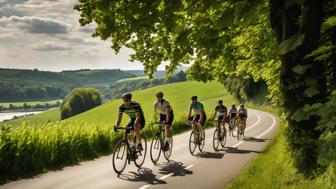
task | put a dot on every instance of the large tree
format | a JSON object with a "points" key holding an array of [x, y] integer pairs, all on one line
{"points": [[269, 40]]}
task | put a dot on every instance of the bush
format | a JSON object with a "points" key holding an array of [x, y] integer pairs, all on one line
{"points": [[80, 100]]}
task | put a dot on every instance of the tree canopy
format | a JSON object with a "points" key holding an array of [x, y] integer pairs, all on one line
{"points": [[287, 44]]}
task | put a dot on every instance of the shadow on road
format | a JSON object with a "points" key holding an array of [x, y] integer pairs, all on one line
{"points": [[177, 168], [142, 175], [210, 155], [253, 139], [240, 151]]}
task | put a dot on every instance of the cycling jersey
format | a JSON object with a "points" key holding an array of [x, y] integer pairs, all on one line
{"points": [[197, 107], [220, 109], [131, 110], [242, 112], [163, 106]]}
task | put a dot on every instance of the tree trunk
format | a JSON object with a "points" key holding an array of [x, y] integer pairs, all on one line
{"points": [[286, 22]]}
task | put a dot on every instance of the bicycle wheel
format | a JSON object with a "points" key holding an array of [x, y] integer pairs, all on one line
{"points": [[215, 141], [169, 151], [223, 137], [192, 142], [202, 140], [120, 156], [155, 149], [141, 154], [240, 132]]}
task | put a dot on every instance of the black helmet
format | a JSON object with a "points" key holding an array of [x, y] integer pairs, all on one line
{"points": [[220, 101], [127, 96], [159, 94], [194, 98]]}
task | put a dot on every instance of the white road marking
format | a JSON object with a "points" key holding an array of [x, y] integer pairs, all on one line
{"points": [[166, 176], [190, 166], [144, 186], [273, 124], [239, 143], [255, 124]]}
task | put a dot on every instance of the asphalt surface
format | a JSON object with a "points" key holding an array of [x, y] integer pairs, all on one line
{"points": [[209, 169]]}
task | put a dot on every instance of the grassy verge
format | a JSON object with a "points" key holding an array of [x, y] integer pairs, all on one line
{"points": [[29, 103], [274, 169]]}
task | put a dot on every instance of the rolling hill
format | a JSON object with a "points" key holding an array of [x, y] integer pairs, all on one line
{"points": [[177, 93]]}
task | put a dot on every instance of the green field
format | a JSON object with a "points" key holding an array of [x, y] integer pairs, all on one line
{"points": [[32, 103], [208, 93], [178, 94]]}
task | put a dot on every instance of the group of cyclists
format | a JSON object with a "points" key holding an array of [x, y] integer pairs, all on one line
{"points": [[162, 106]]}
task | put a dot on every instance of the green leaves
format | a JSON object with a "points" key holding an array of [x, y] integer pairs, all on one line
{"points": [[291, 44], [300, 69]]}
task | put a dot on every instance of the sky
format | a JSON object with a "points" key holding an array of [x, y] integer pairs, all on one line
{"points": [[46, 34]]}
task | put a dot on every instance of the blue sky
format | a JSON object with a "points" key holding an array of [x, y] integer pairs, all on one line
{"points": [[45, 34]]}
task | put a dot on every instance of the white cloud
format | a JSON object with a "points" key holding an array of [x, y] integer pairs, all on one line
{"points": [[36, 24], [51, 46]]}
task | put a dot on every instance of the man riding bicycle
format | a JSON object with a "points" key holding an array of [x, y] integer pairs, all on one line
{"points": [[198, 109], [233, 115], [243, 114], [134, 111], [221, 111], [166, 116]]}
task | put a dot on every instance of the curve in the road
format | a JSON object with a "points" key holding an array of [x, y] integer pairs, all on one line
{"points": [[205, 170]]}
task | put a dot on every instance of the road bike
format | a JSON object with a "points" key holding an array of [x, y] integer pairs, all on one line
{"points": [[241, 129], [231, 127], [158, 144], [220, 134], [197, 137], [126, 151]]}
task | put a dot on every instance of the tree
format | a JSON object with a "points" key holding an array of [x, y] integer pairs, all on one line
{"points": [[80, 100], [275, 41]]}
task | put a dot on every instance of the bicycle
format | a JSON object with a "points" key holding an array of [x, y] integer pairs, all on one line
{"points": [[231, 127], [158, 143], [241, 129], [197, 137], [220, 135], [127, 152]]}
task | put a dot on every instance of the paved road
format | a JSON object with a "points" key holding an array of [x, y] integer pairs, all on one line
{"points": [[209, 169]]}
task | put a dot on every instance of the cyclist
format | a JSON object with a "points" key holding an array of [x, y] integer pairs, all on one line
{"points": [[242, 114], [166, 116], [198, 109], [221, 111], [134, 111], [233, 115]]}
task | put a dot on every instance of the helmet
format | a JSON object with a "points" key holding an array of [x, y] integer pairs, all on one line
{"points": [[194, 98], [127, 96], [159, 94], [241, 104], [220, 101], [233, 105]]}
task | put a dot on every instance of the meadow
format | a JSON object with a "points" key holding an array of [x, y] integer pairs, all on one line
{"points": [[30, 103], [36, 146]]}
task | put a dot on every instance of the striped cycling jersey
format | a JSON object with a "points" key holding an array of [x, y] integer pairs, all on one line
{"points": [[233, 111], [163, 106], [220, 109], [197, 107], [131, 110]]}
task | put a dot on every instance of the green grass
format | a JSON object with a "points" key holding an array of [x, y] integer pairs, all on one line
{"points": [[48, 116], [178, 95], [274, 169], [30, 103]]}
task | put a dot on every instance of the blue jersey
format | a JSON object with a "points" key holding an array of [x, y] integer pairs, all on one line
{"points": [[197, 107]]}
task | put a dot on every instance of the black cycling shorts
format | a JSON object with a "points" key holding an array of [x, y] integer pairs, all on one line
{"points": [[131, 123], [163, 118], [197, 117]]}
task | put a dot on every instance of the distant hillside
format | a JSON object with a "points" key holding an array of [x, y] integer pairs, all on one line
{"points": [[25, 85]]}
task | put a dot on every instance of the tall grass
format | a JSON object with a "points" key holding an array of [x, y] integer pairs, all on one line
{"points": [[274, 169]]}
